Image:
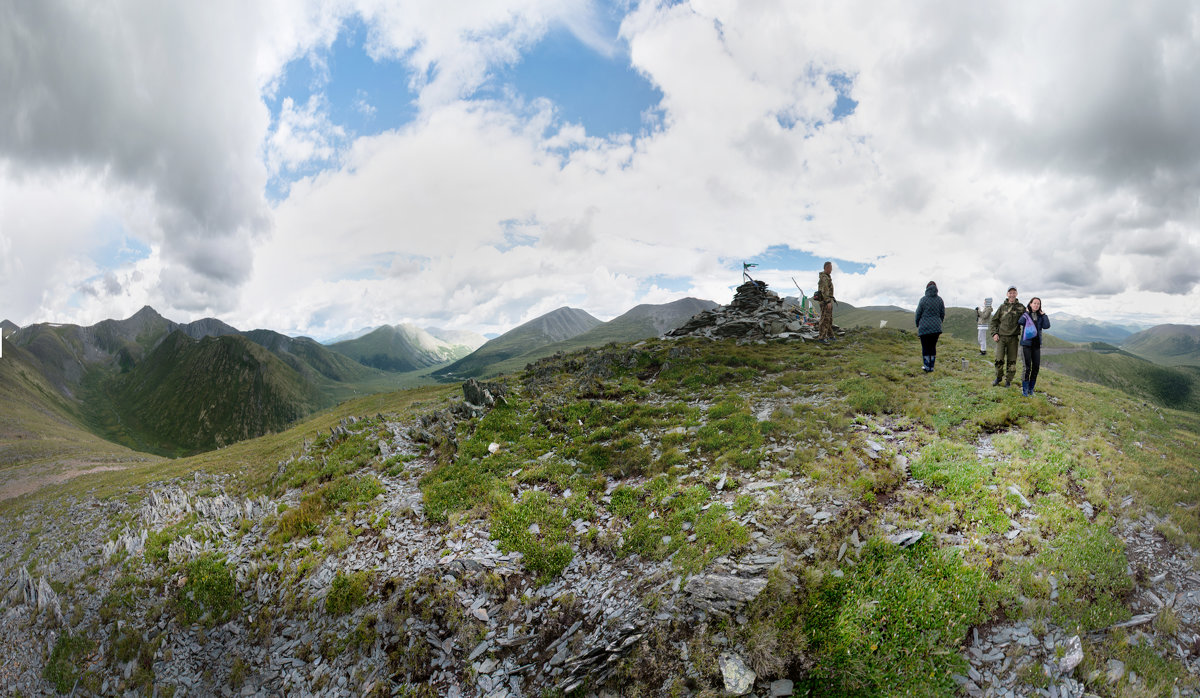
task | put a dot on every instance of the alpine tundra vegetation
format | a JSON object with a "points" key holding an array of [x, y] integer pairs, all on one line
{"points": [[668, 518]]}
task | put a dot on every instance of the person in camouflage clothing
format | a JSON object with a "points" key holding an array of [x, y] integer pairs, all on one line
{"points": [[825, 289], [1004, 327]]}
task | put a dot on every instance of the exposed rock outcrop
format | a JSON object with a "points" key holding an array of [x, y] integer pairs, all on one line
{"points": [[755, 313]]}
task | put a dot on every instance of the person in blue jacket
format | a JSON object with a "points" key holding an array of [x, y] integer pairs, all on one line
{"points": [[930, 313], [1033, 321]]}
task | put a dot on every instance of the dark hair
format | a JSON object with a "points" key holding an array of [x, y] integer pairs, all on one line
{"points": [[1029, 305]]}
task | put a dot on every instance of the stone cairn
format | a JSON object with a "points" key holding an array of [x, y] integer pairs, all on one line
{"points": [[756, 313]]}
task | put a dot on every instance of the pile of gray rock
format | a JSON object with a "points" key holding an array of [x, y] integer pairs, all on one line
{"points": [[756, 313]]}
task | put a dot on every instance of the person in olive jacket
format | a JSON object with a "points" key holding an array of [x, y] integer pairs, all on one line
{"points": [[930, 313], [1005, 324]]}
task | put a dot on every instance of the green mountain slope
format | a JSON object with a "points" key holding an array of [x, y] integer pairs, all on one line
{"points": [[554, 326], [1172, 345], [311, 359], [1177, 387], [1082, 329], [641, 322], [43, 439], [102, 372], [400, 348], [191, 395]]}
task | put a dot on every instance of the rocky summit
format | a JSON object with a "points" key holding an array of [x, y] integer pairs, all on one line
{"points": [[675, 517], [755, 313]]}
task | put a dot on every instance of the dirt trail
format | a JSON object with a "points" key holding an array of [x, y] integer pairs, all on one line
{"points": [[24, 485]]}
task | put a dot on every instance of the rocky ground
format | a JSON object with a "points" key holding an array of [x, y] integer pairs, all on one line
{"points": [[557, 636], [448, 612]]}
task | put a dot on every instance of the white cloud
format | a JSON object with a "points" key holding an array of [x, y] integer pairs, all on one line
{"points": [[303, 136], [1053, 148]]}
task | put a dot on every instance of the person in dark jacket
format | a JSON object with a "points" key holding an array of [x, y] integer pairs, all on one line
{"points": [[1033, 321], [930, 313]]}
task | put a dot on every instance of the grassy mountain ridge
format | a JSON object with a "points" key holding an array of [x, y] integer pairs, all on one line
{"points": [[1177, 387], [400, 348], [102, 372], [641, 465], [191, 395], [1171, 345], [42, 434], [640, 322], [554, 326]]}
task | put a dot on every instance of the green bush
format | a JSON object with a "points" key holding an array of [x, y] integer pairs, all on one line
{"points": [[62, 669], [347, 592], [209, 593], [349, 490]]}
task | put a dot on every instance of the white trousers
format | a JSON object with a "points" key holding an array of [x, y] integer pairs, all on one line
{"points": [[982, 337]]}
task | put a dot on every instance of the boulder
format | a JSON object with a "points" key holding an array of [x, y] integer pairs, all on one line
{"points": [[739, 678], [1073, 656], [722, 594]]}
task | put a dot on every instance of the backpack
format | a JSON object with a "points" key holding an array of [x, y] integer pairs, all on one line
{"points": [[1031, 330]]}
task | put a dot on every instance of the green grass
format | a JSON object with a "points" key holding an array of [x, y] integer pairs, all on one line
{"points": [[1090, 564], [209, 595], [965, 480], [64, 667], [895, 623], [547, 551], [656, 515], [347, 592]]}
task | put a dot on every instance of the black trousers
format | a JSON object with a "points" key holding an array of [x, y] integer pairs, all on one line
{"points": [[929, 344], [1032, 356]]}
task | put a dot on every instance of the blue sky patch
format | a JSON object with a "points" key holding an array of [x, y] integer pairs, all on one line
{"points": [[785, 258], [842, 83], [602, 93], [364, 97], [675, 284], [118, 247]]}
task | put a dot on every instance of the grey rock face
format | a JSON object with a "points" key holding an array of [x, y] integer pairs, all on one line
{"points": [[722, 594]]}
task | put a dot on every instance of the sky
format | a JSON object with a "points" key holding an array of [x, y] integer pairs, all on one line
{"points": [[319, 167]]}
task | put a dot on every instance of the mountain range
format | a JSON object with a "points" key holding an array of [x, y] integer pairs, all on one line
{"points": [[568, 329], [168, 388], [1170, 345], [407, 347]]}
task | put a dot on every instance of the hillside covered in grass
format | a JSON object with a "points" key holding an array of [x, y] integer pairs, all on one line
{"points": [[680, 517]]}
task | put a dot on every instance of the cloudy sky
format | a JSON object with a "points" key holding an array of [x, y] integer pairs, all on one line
{"points": [[319, 167]]}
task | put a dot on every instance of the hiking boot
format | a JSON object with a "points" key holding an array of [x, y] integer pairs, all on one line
{"points": [[983, 352], [996, 382], [1007, 382]]}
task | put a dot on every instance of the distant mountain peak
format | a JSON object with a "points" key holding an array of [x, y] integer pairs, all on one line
{"points": [[146, 313]]}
